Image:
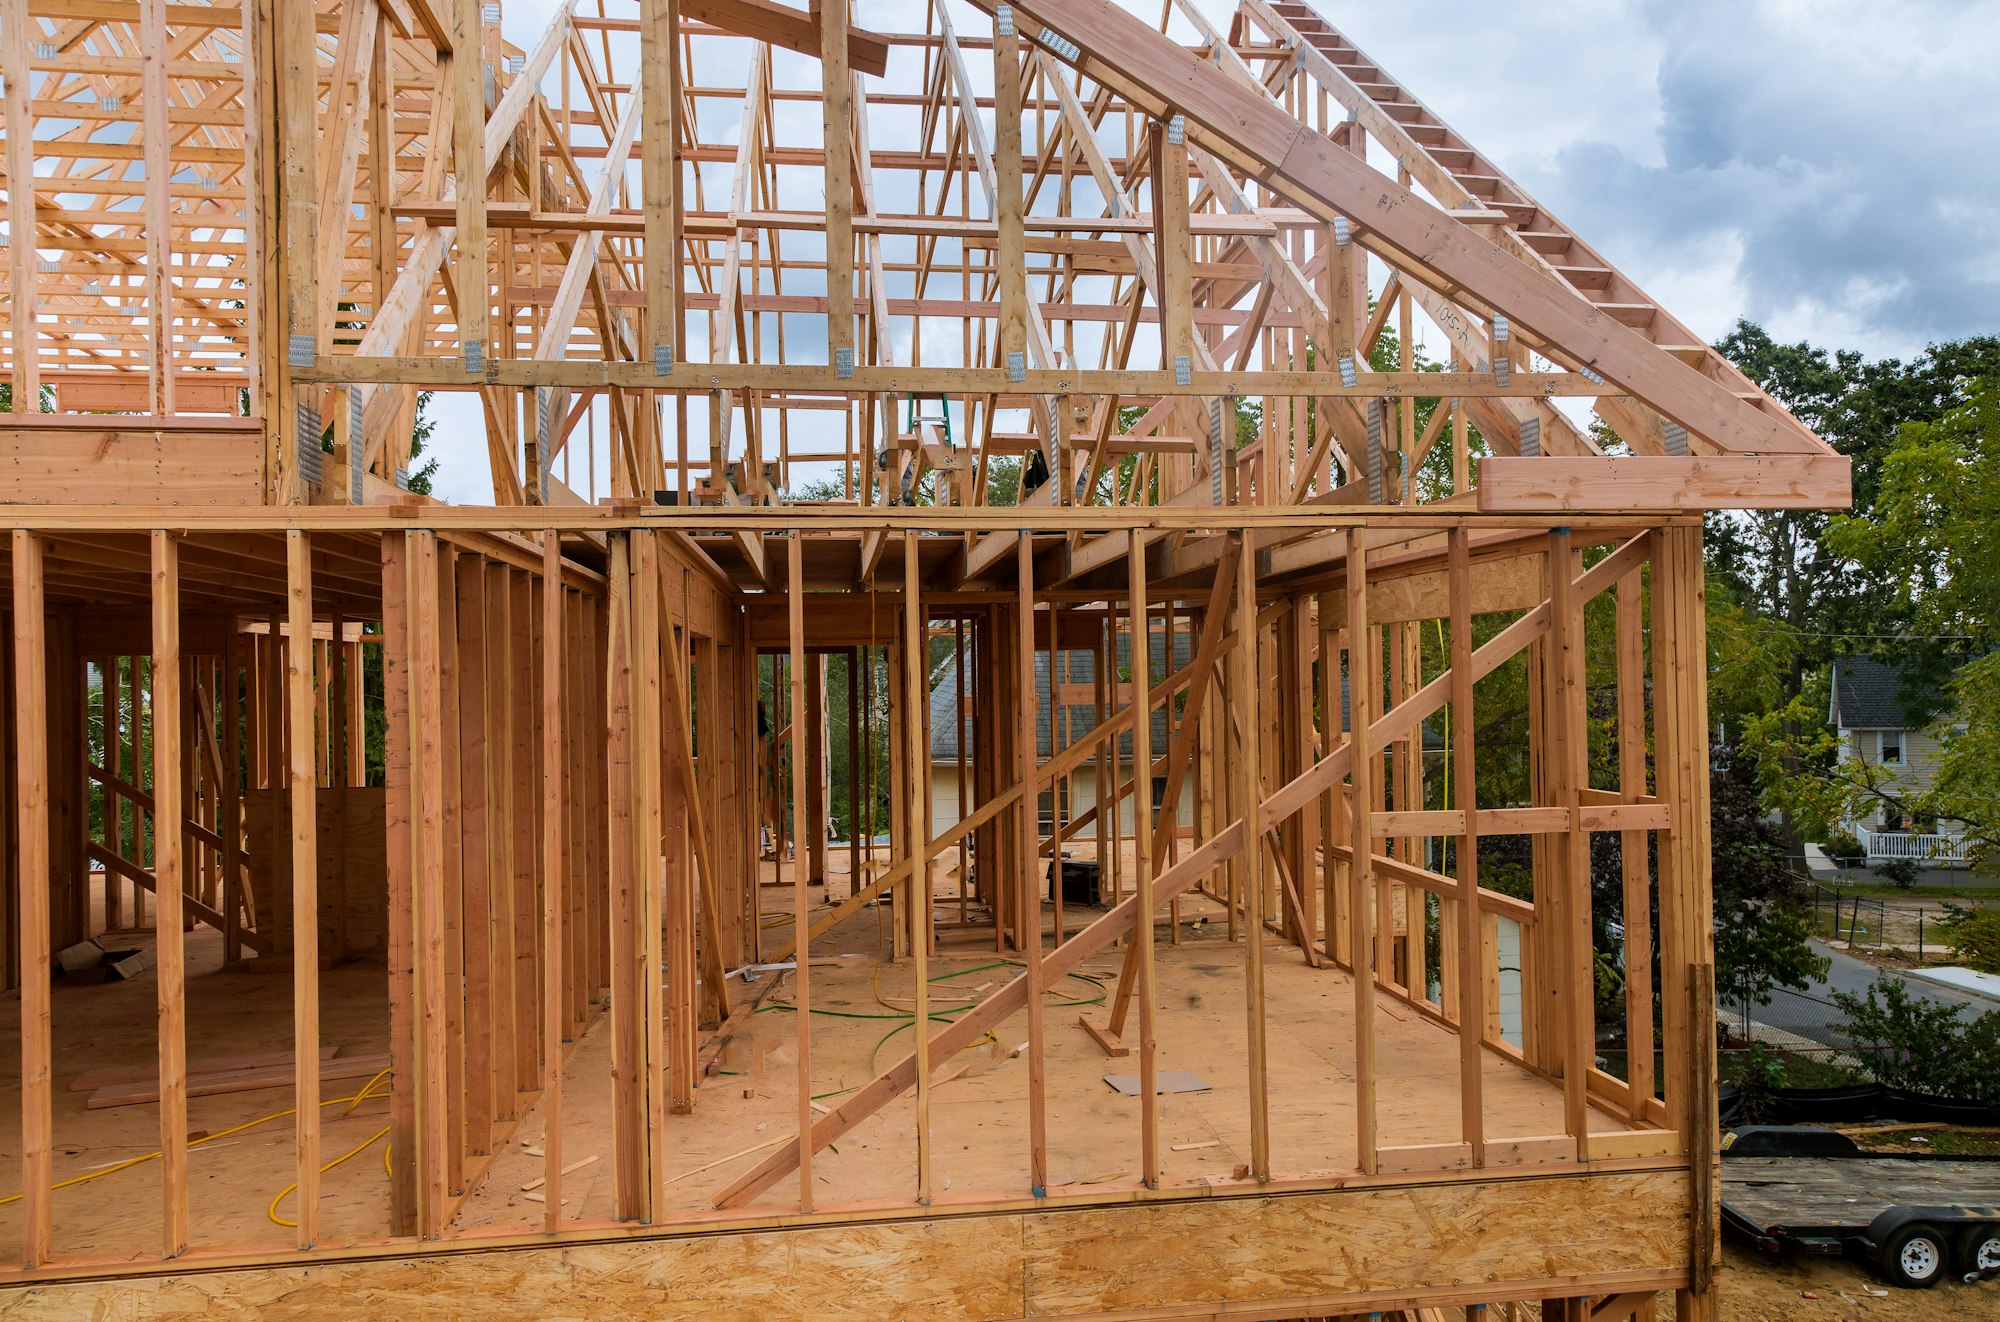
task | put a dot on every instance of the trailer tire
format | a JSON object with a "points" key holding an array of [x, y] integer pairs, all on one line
{"points": [[1915, 1257], [1979, 1249]]}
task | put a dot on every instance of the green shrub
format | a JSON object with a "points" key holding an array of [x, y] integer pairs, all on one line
{"points": [[1974, 934], [1762, 1073], [1898, 872], [1843, 848], [1921, 1045]]}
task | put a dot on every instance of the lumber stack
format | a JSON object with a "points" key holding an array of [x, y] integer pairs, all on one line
{"points": [[139, 1084]]}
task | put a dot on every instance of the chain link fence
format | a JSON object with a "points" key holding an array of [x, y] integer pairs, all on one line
{"points": [[1910, 927], [1791, 1019]]}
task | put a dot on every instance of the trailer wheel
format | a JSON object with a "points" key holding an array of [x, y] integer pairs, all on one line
{"points": [[1979, 1249], [1915, 1256]]}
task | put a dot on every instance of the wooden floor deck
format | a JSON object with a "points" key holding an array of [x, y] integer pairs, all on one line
{"points": [[747, 1104]]}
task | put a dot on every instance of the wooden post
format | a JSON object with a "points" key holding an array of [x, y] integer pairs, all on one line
{"points": [[468, 164], [229, 704], [1142, 850], [338, 694], [837, 111], [628, 1068], [1465, 794], [553, 871], [1567, 768], [915, 666], [405, 1043], [1030, 879], [1246, 790], [648, 631], [31, 731], [1012, 255], [22, 277], [296, 94], [523, 712], [1363, 656], [457, 917], [660, 181], [856, 739], [153, 104], [1061, 797], [814, 836], [680, 914], [1633, 846], [1687, 937], [302, 787], [473, 847], [801, 899], [169, 881], [427, 871]]}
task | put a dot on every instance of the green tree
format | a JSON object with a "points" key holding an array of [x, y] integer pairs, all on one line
{"points": [[1974, 934], [1761, 925], [1811, 587], [422, 475], [1779, 562], [1930, 545], [45, 404]]}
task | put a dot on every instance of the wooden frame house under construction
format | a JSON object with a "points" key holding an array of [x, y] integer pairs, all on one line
{"points": [[554, 893]]}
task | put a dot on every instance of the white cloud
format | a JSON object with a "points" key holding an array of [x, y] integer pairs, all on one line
{"points": [[1823, 167]]}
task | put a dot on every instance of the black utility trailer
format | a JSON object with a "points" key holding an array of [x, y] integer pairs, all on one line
{"points": [[1916, 1218]]}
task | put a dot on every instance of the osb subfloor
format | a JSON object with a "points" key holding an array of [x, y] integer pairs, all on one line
{"points": [[978, 1104], [979, 1116], [231, 1180]]}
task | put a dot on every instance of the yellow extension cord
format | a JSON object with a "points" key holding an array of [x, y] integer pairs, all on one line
{"points": [[367, 1090], [356, 1100], [351, 1102]]}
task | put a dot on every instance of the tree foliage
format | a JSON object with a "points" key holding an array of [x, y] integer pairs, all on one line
{"points": [[1909, 576], [1921, 1045], [1761, 926], [1930, 544]]}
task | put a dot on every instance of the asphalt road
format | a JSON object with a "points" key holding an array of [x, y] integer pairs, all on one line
{"points": [[1812, 1015]]}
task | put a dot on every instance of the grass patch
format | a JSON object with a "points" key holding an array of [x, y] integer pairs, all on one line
{"points": [[1933, 1140], [1881, 890], [1771, 1067]]}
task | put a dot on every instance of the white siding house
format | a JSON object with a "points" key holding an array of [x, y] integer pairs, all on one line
{"points": [[1075, 672], [1869, 712]]}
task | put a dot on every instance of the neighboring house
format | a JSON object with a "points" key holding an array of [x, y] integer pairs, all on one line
{"points": [[1076, 672], [1869, 713]]}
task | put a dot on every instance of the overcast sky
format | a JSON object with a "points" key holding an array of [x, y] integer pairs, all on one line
{"points": [[1830, 168]]}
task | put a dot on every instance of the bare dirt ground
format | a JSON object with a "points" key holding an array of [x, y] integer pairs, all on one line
{"points": [[1756, 1287]]}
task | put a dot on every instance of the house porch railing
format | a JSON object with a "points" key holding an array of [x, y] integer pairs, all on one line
{"points": [[1936, 849]]}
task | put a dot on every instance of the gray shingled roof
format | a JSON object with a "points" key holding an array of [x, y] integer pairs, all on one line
{"points": [[1868, 694]]}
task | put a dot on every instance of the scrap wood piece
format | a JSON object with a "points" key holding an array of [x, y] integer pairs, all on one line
{"points": [[724, 1161], [131, 963], [83, 955], [250, 1080], [119, 1076], [570, 1169]]}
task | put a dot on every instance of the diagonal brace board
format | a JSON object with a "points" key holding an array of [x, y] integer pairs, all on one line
{"points": [[1298, 793], [1061, 764]]}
